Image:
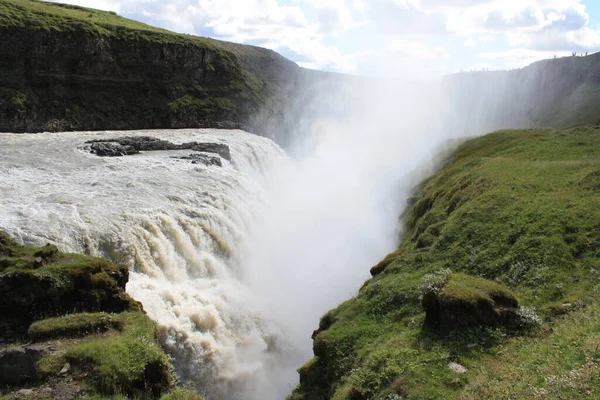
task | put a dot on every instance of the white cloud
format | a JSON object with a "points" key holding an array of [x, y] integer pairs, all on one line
{"points": [[332, 16], [478, 40], [304, 29]]}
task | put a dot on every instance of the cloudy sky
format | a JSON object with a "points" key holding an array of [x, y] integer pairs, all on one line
{"points": [[384, 37]]}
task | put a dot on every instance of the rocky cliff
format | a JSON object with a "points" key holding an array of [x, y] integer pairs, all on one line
{"points": [[71, 68], [557, 92]]}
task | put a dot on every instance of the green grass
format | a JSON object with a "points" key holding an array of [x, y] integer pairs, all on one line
{"points": [[467, 289], [181, 394], [518, 208], [126, 361], [72, 325], [55, 17]]}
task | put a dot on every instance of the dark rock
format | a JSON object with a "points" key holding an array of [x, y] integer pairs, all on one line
{"points": [[201, 158], [17, 365], [411, 201], [205, 159], [127, 145], [218, 148], [112, 150]]}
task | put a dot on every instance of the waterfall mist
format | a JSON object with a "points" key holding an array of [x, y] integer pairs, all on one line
{"points": [[334, 212]]}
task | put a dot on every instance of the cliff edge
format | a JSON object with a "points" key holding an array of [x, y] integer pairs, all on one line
{"points": [[66, 68]]}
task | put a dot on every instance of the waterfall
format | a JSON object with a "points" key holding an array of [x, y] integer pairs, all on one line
{"points": [[181, 227]]}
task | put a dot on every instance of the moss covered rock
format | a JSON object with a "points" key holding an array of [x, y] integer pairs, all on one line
{"points": [[467, 302], [92, 339], [38, 282]]}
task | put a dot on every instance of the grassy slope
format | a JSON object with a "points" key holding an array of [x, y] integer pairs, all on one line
{"points": [[110, 352], [32, 14], [519, 207]]}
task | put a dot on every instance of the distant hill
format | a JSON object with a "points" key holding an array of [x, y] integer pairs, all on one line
{"points": [[72, 68], [558, 92]]}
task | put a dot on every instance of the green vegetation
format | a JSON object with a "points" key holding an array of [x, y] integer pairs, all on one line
{"points": [[468, 289], [72, 325], [127, 361], [53, 17], [181, 394], [511, 215]]}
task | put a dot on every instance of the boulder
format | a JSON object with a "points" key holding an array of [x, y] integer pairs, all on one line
{"points": [[469, 302], [61, 283], [112, 150], [17, 364], [218, 148], [206, 159]]}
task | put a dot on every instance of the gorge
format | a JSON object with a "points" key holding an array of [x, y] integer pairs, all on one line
{"points": [[248, 198]]}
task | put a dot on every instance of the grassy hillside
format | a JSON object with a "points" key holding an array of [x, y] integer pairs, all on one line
{"points": [[513, 213], [73, 68]]}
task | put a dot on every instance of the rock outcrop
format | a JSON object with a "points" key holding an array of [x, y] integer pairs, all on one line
{"points": [[129, 145], [91, 338], [469, 302]]}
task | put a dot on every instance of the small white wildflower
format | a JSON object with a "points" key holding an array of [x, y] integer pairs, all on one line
{"points": [[528, 318], [434, 283]]}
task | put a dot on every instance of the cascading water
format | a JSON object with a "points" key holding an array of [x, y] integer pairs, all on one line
{"points": [[181, 227]]}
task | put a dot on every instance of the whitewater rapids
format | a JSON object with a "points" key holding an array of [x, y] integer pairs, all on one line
{"points": [[180, 227]]}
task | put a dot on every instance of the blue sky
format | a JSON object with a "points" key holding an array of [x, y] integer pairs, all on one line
{"points": [[385, 37]]}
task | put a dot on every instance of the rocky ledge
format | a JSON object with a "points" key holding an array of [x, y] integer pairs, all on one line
{"points": [[129, 145], [84, 336]]}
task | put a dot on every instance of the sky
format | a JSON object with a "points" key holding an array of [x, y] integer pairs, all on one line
{"points": [[384, 37]]}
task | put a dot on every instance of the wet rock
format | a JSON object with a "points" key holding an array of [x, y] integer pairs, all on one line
{"points": [[218, 148], [112, 150], [128, 145], [206, 159], [17, 365]]}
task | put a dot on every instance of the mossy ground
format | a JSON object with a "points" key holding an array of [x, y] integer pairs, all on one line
{"points": [[518, 207]]}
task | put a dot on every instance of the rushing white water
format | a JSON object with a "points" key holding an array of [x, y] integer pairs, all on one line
{"points": [[181, 228]]}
